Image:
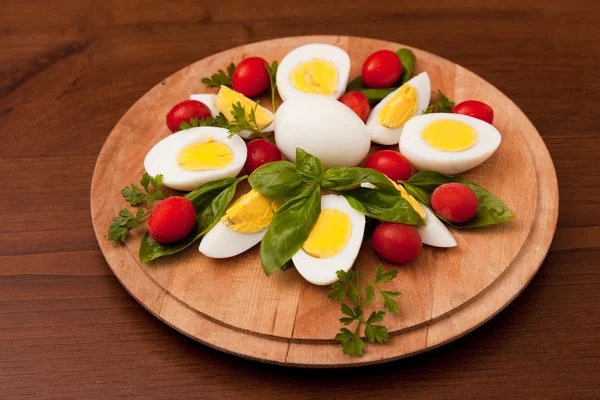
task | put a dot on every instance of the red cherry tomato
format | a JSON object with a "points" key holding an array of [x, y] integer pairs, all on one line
{"points": [[358, 103], [455, 202], [171, 220], [185, 111], [250, 77], [398, 243], [260, 152], [475, 109], [390, 163], [382, 69]]}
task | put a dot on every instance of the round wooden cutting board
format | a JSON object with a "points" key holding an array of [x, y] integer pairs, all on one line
{"points": [[231, 305]]}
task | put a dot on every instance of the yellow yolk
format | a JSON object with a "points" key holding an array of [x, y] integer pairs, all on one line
{"points": [[226, 98], [400, 108], [316, 76], [449, 135], [205, 156], [329, 235], [253, 212], [411, 200]]}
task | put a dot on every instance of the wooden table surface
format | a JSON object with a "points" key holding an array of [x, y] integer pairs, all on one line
{"points": [[69, 70]]}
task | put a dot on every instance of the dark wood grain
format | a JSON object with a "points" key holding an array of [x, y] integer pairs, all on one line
{"points": [[70, 69]]}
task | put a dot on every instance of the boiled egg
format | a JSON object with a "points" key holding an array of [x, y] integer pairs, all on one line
{"points": [[195, 156], [448, 143], [244, 224], [387, 120], [323, 127], [434, 232], [313, 69], [333, 244], [224, 101]]}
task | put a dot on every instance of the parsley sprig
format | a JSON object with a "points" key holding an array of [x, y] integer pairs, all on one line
{"points": [[272, 70], [121, 225], [195, 122], [443, 105], [220, 78], [134, 195], [348, 287]]}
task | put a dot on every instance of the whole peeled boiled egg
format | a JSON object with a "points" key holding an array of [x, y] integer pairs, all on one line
{"points": [[387, 120], [194, 156], [224, 102], [448, 143], [323, 127], [313, 69], [244, 225], [333, 244]]}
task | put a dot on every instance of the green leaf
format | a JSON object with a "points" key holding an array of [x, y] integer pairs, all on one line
{"points": [[345, 277], [220, 78], [443, 105], [355, 84], [133, 195], [381, 277], [376, 316], [289, 229], [353, 294], [388, 302], [346, 310], [121, 225], [347, 320], [351, 343], [376, 333], [339, 291], [145, 181], [408, 59], [491, 210], [390, 207], [210, 204], [272, 71], [157, 194], [369, 294], [195, 122], [277, 180], [345, 178], [308, 167]]}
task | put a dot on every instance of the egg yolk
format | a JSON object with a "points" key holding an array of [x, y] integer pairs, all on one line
{"points": [[449, 135], [329, 235], [205, 156], [411, 200], [400, 108], [226, 98], [316, 76], [251, 213]]}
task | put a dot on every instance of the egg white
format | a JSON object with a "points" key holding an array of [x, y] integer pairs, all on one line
{"points": [[434, 232], [210, 101], [321, 271], [223, 242], [162, 158], [306, 53], [384, 135], [424, 157], [323, 127]]}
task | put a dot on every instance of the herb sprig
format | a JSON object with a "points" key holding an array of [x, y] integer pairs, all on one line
{"points": [[134, 195], [243, 122], [272, 70], [121, 225], [443, 105], [349, 288], [220, 78]]}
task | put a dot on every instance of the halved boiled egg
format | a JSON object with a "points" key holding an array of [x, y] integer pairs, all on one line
{"points": [[448, 143], [386, 121], [244, 224], [333, 243], [224, 101], [313, 69], [195, 156]]}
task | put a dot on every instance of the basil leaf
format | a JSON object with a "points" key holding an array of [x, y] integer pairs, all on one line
{"points": [[376, 95], [345, 178], [277, 180], [206, 192], [289, 229], [215, 204], [407, 58], [491, 209], [308, 167], [390, 207], [355, 84]]}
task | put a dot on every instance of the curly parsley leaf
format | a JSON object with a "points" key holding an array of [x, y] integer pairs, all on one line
{"points": [[195, 122], [121, 225], [376, 333], [443, 105], [241, 121], [221, 77], [351, 342], [134, 194]]}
